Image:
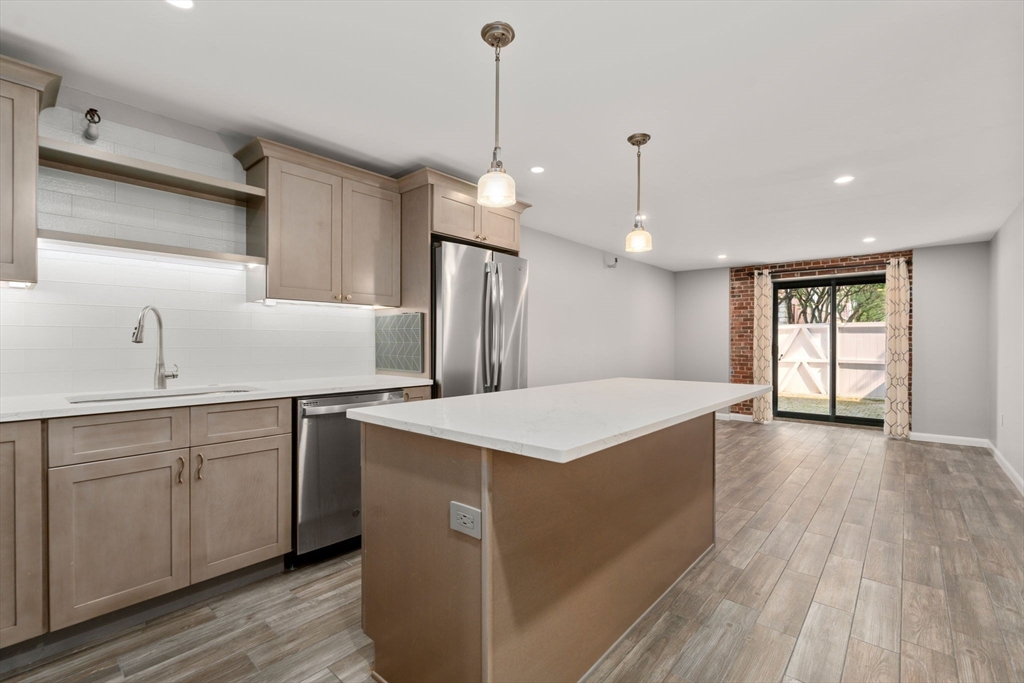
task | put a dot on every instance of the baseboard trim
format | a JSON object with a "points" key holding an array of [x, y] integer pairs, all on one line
{"points": [[1014, 476], [952, 440], [737, 417]]}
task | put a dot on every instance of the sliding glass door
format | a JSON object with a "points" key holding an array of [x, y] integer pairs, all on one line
{"points": [[829, 347]]}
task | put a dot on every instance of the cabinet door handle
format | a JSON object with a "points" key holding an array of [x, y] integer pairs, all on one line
{"points": [[199, 472], [339, 297], [182, 470], [348, 297]]}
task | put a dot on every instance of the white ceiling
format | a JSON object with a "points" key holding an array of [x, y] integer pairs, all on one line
{"points": [[753, 107]]}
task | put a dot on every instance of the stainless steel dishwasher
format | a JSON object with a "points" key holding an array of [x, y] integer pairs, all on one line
{"points": [[327, 451]]}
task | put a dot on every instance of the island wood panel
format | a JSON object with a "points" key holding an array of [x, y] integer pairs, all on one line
{"points": [[219, 422], [241, 504], [88, 438], [22, 533], [421, 580], [579, 551], [119, 534]]}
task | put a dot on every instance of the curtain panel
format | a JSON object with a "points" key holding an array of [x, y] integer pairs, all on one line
{"points": [[763, 302], [897, 349]]}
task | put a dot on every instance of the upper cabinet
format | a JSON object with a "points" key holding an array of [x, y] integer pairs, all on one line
{"points": [[454, 211], [25, 90], [329, 232]]}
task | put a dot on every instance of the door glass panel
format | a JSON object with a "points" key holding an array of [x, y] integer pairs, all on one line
{"points": [[860, 350], [804, 349]]}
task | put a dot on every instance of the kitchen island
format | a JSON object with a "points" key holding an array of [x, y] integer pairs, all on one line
{"points": [[581, 504]]}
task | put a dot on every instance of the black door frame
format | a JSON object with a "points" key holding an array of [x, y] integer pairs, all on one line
{"points": [[831, 282]]}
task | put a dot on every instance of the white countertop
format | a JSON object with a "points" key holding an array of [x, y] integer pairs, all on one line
{"points": [[563, 422], [13, 408]]}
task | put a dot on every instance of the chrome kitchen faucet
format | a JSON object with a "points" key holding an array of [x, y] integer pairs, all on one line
{"points": [[160, 375]]}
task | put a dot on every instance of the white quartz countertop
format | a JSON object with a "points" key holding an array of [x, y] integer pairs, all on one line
{"points": [[14, 408], [563, 422]]}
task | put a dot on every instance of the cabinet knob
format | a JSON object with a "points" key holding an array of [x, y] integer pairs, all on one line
{"points": [[348, 298], [483, 237], [339, 297]]}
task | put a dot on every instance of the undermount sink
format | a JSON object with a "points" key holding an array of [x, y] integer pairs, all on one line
{"points": [[145, 394]]}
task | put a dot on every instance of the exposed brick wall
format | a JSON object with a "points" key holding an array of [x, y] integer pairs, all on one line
{"points": [[741, 306]]}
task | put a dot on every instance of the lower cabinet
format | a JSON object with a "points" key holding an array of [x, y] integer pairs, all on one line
{"points": [[22, 533], [119, 534], [241, 504]]}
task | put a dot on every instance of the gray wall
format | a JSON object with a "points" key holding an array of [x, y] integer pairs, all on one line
{"points": [[702, 326], [587, 321], [951, 350], [1006, 331]]}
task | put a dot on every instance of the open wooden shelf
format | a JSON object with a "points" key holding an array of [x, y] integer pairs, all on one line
{"points": [[76, 158], [148, 247]]}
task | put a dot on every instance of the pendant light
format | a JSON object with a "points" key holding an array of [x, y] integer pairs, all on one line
{"points": [[638, 239], [496, 188]]}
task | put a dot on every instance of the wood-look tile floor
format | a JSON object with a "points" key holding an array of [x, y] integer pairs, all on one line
{"points": [[841, 556]]}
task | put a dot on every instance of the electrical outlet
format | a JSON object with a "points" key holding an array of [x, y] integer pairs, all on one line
{"points": [[465, 519]]}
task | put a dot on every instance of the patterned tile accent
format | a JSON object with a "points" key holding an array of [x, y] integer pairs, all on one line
{"points": [[400, 342]]}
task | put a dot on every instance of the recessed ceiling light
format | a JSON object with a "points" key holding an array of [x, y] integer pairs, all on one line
{"points": [[537, 169], [869, 239], [181, 4], [843, 179], [721, 256]]}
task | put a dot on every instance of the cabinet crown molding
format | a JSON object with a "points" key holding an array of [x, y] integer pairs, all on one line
{"points": [[430, 176], [260, 148], [30, 76]]}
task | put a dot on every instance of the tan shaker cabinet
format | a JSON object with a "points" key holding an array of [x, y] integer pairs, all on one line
{"points": [[119, 534], [500, 228], [303, 233], [241, 504], [24, 91], [22, 533], [371, 271]]}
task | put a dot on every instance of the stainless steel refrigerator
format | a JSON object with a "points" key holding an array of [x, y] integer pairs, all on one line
{"points": [[479, 320]]}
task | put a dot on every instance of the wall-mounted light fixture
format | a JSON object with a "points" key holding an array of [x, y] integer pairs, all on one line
{"points": [[638, 238], [92, 128], [496, 188]]}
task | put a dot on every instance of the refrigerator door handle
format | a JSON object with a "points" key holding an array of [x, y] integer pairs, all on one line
{"points": [[500, 336], [490, 290]]}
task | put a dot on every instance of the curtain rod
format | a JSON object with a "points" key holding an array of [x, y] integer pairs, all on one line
{"points": [[813, 268]]}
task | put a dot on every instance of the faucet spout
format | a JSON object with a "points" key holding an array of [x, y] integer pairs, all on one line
{"points": [[160, 374]]}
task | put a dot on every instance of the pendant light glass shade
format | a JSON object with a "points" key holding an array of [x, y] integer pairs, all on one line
{"points": [[638, 239], [496, 188]]}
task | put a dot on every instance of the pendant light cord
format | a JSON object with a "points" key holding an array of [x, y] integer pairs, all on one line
{"points": [[497, 101], [638, 182]]}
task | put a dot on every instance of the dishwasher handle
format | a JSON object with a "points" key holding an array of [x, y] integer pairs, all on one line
{"points": [[343, 408]]}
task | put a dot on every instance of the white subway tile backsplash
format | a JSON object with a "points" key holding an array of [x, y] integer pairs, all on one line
{"points": [[56, 117], [75, 138], [130, 137], [136, 195], [53, 202], [112, 212], [29, 383], [75, 184], [78, 226], [72, 333]]}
